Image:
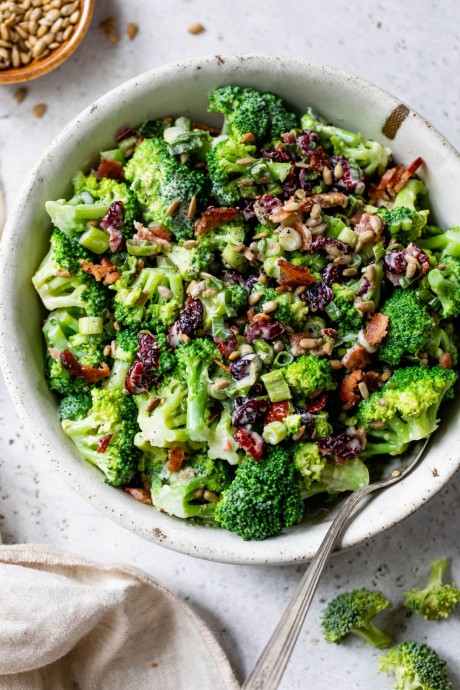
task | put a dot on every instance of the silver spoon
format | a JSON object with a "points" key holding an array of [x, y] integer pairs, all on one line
{"points": [[271, 664]]}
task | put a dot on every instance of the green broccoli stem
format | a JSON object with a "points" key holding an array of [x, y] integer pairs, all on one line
{"points": [[436, 575], [372, 635], [197, 400]]}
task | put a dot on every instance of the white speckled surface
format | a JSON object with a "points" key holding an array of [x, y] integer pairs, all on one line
{"points": [[412, 51]]}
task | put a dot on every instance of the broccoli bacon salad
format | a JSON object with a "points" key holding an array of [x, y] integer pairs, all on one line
{"points": [[241, 319]]}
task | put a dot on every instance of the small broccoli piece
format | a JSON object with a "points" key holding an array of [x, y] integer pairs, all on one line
{"points": [[416, 667], [309, 375], [322, 426], [112, 414], [352, 613], [61, 381], [335, 479], [448, 242], [75, 406], [291, 309], [192, 491], [409, 329], [154, 128], [445, 283], [247, 110], [232, 167], [195, 360], [158, 179], [162, 424], [342, 309], [437, 600], [411, 399], [370, 155], [126, 344], [106, 191], [71, 217], [61, 333], [309, 462], [263, 498], [404, 221], [191, 262], [60, 281], [139, 303], [227, 302], [221, 444]]}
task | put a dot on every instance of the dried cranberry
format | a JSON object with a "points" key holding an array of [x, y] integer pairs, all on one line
{"points": [[174, 336], [239, 369], [317, 404], [226, 347], [325, 242], [111, 222], [352, 175], [310, 147], [290, 183], [247, 209], [317, 296], [124, 133], [342, 447], [277, 412], [135, 379], [191, 318], [256, 391], [142, 373], [365, 288], [304, 182], [264, 207], [265, 330], [103, 442], [276, 155], [249, 412], [332, 273], [251, 281], [308, 421], [234, 278], [251, 442], [395, 263]]}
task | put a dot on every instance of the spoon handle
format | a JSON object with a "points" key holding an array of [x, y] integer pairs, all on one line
{"points": [[270, 666]]}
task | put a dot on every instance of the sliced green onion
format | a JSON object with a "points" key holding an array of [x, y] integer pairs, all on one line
{"points": [[95, 239], [264, 350], [143, 248], [282, 359], [90, 325], [274, 433], [114, 155], [379, 251], [127, 145], [276, 386], [348, 236], [333, 311]]}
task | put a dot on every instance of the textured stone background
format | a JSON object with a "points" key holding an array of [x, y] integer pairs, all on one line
{"points": [[411, 49]]}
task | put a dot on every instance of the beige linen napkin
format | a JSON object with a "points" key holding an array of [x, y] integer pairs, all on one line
{"points": [[67, 623]]}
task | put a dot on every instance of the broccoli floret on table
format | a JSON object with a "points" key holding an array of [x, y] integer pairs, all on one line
{"points": [[436, 600], [352, 613], [263, 498], [249, 111], [105, 436], [415, 666], [159, 180], [406, 408], [370, 155], [308, 375]]}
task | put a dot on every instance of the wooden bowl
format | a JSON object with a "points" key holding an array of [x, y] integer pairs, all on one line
{"points": [[38, 68]]}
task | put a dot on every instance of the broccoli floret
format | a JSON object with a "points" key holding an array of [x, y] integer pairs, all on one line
{"points": [[106, 191], [61, 381], [369, 155], [291, 309], [154, 128], [309, 462], [445, 283], [159, 179], [61, 282], [139, 303], [190, 262], [126, 344], [352, 613], [309, 375], [162, 415], [195, 360], [192, 491], [227, 302], [408, 405], [416, 667], [322, 426], [335, 479], [342, 309], [247, 110], [112, 414], [72, 217], [448, 242], [224, 240], [437, 600], [236, 173], [185, 141], [75, 406], [404, 221], [263, 498], [409, 328]]}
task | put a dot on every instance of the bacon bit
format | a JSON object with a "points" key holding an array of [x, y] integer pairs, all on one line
{"points": [[151, 234], [326, 200], [296, 348], [105, 271], [176, 458], [446, 360], [407, 174], [277, 412], [103, 442], [88, 374], [225, 347], [109, 168], [330, 333], [141, 495], [317, 404], [370, 222], [213, 217], [348, 388], [214, 131], [294, 275], [54, 353], [355, 218], [280, 215], [376, 329], [152, 405], [356, 358], [393, 180], [304, 232]]}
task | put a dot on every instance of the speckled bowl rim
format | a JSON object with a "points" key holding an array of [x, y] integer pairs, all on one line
{"points": [[297, 544]]}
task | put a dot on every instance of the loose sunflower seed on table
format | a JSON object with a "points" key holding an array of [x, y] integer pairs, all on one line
{"points": [[33, 29]]}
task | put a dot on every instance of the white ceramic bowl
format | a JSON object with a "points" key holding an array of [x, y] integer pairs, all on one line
{"points": [[177, 90]]}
